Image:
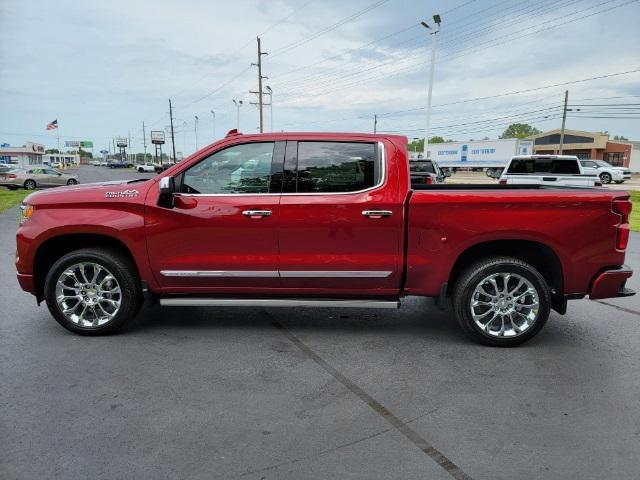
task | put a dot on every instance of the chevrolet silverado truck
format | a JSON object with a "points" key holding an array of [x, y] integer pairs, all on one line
{"points": [[320, 220]]}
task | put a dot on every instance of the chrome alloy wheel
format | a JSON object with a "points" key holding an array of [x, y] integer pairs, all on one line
{"points": [[88, 294], [505, 305]]}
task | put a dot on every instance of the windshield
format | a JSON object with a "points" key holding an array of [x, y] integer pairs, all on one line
{"points": [[602, 163], [422, 166]]}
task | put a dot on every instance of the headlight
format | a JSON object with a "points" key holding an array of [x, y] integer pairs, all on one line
{"points": [[26, 211]]}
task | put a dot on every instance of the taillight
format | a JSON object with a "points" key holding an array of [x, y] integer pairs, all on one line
{"points": [[11, 175], [428, 180], [503, 181], [622, 208]]}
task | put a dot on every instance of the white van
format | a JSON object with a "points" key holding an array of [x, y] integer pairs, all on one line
{"points": [[552, 170]]}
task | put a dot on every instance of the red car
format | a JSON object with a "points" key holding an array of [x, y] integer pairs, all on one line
{"points": [[320, 219]]}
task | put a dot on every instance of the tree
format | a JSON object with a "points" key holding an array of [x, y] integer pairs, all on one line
{"points": [[620, 137], [417, 145], [519, 130]]}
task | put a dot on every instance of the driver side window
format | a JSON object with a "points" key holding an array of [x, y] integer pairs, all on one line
{"points": [[244, 168]]}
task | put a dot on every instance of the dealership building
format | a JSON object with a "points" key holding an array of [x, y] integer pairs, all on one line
{"points": [[585, 145], [28, 154]]}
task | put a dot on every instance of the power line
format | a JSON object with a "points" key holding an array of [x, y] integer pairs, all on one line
{"points": [[321, 32]]}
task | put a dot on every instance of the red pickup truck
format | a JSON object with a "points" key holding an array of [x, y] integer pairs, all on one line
{"points": [[320, 219]]}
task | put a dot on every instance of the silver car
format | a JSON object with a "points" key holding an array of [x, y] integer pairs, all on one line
{"points": [[36, 177]]}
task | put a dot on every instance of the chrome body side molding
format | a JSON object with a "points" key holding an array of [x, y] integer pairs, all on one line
{"points": [[220, 273], [276, 274]]}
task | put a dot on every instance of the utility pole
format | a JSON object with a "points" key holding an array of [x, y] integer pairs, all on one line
{"points": [[434, 33], [375, 123], [196, 130], [144, 142], [130, 147], [564, 121], [173, 142], [260, 78], [238, 104], [214, 124]]}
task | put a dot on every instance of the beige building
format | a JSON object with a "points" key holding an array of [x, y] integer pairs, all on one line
{"points": [[584, 145]]}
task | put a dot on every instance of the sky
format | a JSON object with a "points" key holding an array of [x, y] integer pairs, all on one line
{"points": [[102, 68]]}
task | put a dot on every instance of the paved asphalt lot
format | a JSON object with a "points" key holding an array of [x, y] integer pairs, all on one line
{"points": [[228, 393]]}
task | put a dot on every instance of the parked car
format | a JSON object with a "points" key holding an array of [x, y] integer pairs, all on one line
{"points": [[558, 170], [162, 167], [56, 164], [146, 167], [426, 172], [39, 177], [334, 222], [120, 164], [605, 171], [494, 172]]}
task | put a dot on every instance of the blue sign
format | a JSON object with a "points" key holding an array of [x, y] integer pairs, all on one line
{"points": [[4, 145], [465, 150]]}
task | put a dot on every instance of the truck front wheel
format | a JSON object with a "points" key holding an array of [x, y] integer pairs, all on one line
{"points": [[93, 291], [501, 301]]}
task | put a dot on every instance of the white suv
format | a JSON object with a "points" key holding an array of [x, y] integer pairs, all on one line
{"points": [[552, 170], [607, 172]]}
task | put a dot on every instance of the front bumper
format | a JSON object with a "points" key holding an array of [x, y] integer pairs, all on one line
{"points": [[610, 283], [26, 282]]}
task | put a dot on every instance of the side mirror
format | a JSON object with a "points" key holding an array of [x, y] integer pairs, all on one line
{"points": [[167, 189], [447, 173], [167, 186]]}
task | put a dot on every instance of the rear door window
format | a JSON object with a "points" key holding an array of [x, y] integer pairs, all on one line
{"points": [[336, 167]]}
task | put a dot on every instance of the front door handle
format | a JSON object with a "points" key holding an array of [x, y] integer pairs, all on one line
{"points": [[257, 213], [377, 213]]}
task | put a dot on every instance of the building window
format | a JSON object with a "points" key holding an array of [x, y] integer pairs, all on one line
{"points": [[616, 159], [554, 139]]}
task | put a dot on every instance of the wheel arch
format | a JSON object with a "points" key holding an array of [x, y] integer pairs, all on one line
{"points": [[54, 248], [540, 256]]}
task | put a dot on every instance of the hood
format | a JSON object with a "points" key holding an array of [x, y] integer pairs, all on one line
{"points": [[92, 192]]}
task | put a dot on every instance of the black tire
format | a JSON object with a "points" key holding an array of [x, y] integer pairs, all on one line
{"points": [[140, 170], [72, 181], [605, 178], [30, 184], [122, 270], [12, 187], [619, 181], [473, 276]]}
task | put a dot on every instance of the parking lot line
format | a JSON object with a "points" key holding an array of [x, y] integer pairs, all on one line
{"points": [[627, 310], [450, 467]]}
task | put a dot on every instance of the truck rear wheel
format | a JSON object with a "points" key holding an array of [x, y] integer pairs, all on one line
{"points": [[93, 291], [501, 301]]}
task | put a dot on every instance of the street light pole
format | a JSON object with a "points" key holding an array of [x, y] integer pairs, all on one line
{"points": [[564, 121], [238, 104], [434, 33], [214, 124]]}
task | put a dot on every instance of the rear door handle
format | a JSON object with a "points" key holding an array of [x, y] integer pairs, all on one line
{"points": [[550, 179], [377, 213], [257, 213]]}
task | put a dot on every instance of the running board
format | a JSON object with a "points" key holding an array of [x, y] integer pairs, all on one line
{"points": [[276, 302]]}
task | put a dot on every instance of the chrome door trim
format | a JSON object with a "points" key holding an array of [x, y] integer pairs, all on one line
{"points": [[220, 273], [276, 274], [381, 182], [276, 302], [334, 274]]}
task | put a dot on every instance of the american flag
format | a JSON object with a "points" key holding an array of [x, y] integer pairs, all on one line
{"points": [[53, 125]]}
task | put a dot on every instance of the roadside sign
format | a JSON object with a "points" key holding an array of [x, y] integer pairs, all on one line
{"points": [[86, 144], [72, 143], [122, 141], [157, 137]]}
